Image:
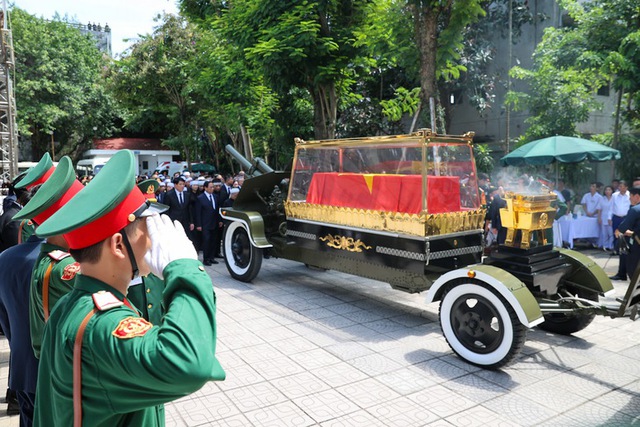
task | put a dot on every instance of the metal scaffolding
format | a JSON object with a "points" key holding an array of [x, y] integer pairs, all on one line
{"points": [[8, 127]]}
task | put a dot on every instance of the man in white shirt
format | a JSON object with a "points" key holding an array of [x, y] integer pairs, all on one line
{"points": [[591, 201], [619, 208]]}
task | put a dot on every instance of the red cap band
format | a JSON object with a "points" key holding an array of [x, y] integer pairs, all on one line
{"points": [[42, 179], [72, 191], [108, 224]]}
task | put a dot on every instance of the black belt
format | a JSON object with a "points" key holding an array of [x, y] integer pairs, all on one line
{"points": [[618, 216]]}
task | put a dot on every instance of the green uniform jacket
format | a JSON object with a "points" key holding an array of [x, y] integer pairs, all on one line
{"points": [[147, 298], [125, 381], [60, 283]]}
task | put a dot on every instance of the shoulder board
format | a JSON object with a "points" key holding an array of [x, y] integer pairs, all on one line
{"points": [[104, 301], [58, 255]]}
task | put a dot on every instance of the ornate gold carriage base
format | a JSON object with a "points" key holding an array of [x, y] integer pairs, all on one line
{"points": [[527, 213]]}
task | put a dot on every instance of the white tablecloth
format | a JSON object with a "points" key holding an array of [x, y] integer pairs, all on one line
{"points": [[578, 228]]}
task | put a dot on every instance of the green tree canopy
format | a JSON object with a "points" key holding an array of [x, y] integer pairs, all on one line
{"points": [[59, 90]]}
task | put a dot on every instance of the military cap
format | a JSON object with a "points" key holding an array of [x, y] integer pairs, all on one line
{"points": [[149, 188], [56, 191], [108, 204], [37, 174]]}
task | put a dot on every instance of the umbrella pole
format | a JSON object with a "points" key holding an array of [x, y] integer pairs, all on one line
{"points": [[557, 168]]}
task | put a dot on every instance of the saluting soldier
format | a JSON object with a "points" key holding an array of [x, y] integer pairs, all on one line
{"points": [[630, 227], [55, 270], [145, 293], [125, 368]]}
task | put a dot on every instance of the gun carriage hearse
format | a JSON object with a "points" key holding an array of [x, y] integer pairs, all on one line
{"points": [[406, 210]]}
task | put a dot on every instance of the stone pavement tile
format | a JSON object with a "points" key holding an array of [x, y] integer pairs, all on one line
{"points": [[533, 366], [315, 358], [558, 357], [339, 374], [343, 308], [278, 367], [611, 375], [326, 405], [385, 326], [367, 393], [621, 362], [411, 355], [255, 396], [573, 382], [285, 414], [256, 353], [403, 412], [441, 401], [480, 416], [624, 401], [240, 376], [234, 421], [475, 388], [518, 409], [359, 418], [556, 399], [262, 323], [591, 414], [375, 364], [348, 350], [241, 340], [200, 410], [440, 371], [406, 381], [299, 385], [319, 334], [509, 378], [363, 315], [291, 346]]}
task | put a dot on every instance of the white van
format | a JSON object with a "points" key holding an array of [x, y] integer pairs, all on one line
{"points": [[90, 166], [169, 168]]}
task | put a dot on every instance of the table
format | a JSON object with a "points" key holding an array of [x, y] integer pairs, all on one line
{"points": [[578, 228]]}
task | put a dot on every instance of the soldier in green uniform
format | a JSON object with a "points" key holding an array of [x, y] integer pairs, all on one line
{"points": [[55, 270], [35, 176], [145, 293], [125, 368]]}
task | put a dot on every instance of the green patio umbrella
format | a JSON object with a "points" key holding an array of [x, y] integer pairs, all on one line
{"points": [[202, 167], [563, 149]]}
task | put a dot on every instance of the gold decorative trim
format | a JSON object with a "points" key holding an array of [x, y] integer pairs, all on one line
{"points": [[422, 224], [344, 243]]}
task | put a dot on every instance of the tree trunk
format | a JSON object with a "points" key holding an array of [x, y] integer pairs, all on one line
{"points": [[426, 30], [325, 110]]}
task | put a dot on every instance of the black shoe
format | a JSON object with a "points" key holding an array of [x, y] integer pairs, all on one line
{"points": [[219, 256], [207, 263], [213, 261], [616, 277], [13, 408]]}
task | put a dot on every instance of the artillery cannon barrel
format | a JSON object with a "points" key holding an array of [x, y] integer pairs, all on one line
{"points": [[258, 167]]}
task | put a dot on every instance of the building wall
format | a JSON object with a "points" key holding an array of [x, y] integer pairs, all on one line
{"points": [[492, 125]]}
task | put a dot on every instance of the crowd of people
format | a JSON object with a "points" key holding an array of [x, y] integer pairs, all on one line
{"points": [[137, 327]]}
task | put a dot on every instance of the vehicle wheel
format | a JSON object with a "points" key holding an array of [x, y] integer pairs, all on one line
{"points": [[480, 326], [243, 260], [566, 324]]}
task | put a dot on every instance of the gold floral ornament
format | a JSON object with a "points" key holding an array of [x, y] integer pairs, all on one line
{"points": [[344, 243]]}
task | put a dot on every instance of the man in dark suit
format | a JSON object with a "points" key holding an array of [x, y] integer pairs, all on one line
{"points": [[630, 228], [9, 229], [208, 221], [179, 206], [16, 264]]}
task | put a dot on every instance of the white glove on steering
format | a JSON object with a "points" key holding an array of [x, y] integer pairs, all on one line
{"points": [[169, 242]]}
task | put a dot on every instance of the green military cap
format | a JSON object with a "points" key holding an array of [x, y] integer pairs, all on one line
{"points": [[37, 174], [56, 191], [149, 188], [106, 205]]}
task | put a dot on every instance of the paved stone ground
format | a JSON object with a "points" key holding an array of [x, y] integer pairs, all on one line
{"points": [[309, 348]]}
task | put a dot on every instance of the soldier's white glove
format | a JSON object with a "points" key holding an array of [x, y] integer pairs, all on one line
{"points": [[169, 242]]}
